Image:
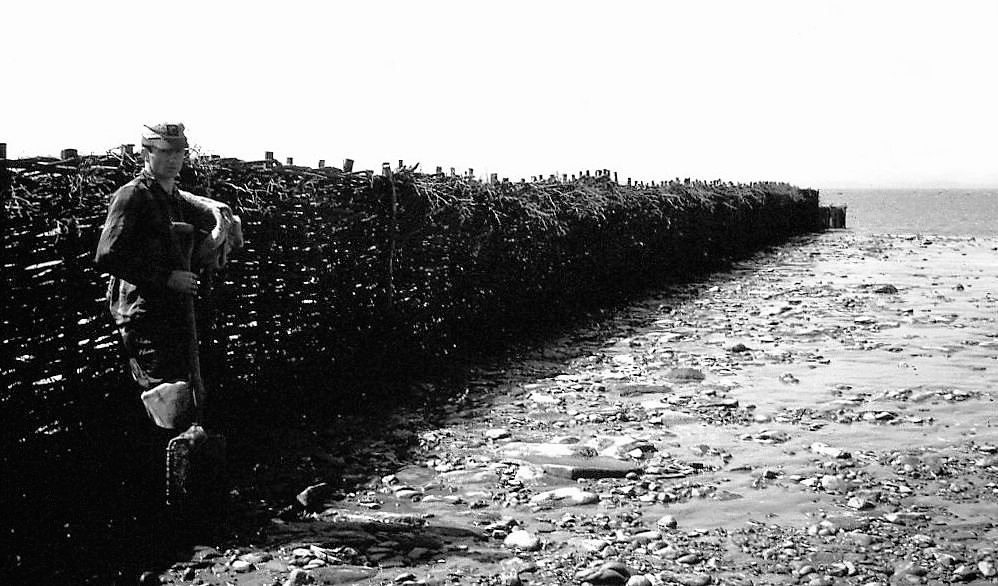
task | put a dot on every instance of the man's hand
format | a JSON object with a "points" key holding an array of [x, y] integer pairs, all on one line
{"points": [[183, 282]]}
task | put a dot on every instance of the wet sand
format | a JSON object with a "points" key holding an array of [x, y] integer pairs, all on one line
{"points": [[822, 413]]}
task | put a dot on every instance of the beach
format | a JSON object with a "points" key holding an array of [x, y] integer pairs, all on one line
{"points": [[821, 413]]}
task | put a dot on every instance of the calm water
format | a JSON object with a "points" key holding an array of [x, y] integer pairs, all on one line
{"points": [[950, 212]]}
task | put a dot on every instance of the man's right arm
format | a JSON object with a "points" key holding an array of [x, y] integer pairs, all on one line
{"points": [[120, 251]]}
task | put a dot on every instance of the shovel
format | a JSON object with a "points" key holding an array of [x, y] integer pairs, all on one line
{"points": [[196, 480]]}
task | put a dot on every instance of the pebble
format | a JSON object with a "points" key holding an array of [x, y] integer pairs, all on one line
{"points": [[589, 545], [826, 450], [834, 483], [298, 577], [256, 557], [986, 568], [965, 572], [667, 522], [313, 496], [692, 579], [689, 559], [805, 569], [907, 568], [638, 580], [902, 518], [520, 539], [609, 574], [241, 566], [497, 433], [567, 495], [345, 574], [685, 375], [859, 503]]}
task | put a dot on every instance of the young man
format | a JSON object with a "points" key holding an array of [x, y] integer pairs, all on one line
{"points": [[145, 259]]}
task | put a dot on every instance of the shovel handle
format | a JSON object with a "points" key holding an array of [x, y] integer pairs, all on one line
{"points": [[183, 234]]}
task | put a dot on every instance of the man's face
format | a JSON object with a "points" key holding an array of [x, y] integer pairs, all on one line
{"points": [[165, 163]]}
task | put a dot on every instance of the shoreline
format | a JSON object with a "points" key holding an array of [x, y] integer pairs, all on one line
{"points": [[791, 425]]}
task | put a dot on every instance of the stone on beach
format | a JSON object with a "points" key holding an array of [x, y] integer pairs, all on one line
{"points": [[667, 522], [568, 495], [313, 497], [826, 450], [613, 573], [520, 539], [298, 577], [345, 574], [685, 375], [572, 461]]}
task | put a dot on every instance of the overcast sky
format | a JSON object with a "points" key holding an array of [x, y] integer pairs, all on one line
{"points": [[820, 94]]}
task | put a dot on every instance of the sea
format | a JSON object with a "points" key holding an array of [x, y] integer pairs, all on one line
{"points": [[945, 212]]}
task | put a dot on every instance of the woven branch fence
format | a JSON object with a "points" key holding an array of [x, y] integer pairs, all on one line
{"points": [[346, 275], [346, 269]]}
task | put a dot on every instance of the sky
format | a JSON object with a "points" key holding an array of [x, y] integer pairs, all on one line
{"points": [[820, 94]]}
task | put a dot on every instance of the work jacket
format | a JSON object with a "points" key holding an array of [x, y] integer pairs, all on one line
{"points": [[137, 249]]}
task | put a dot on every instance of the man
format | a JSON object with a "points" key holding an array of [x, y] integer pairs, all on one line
{"points": [[149, 278]]}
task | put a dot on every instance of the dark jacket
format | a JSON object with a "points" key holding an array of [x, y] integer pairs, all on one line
{"points": [[136, 247]]}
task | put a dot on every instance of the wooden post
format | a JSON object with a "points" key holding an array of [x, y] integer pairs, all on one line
{"points": [[471, 173], [493, 178], [453, 172], [3, 150], [564, 177], [348, 165], [587, 173], [837, 217], [400, 164], [614, 176], [322, 163], [628, 181], [440, 171], [67, 154], [291, 160], [386, 170], [268, 155]]}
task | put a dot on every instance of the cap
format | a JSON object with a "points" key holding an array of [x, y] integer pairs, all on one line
{"points": [[165, 135]]}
